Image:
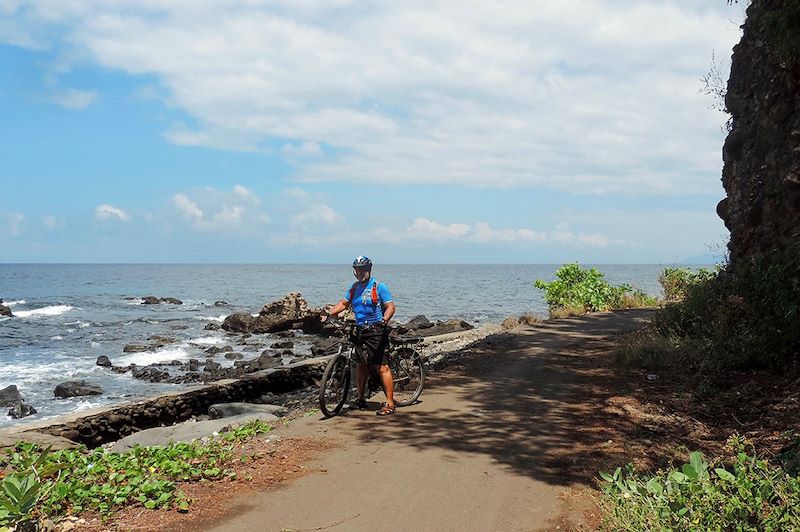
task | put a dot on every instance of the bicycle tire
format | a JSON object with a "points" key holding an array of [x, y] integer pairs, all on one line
{"points": [[408, 374], [335, 386]]}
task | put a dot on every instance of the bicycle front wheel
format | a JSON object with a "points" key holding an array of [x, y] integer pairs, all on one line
{"points": [[408, 374], [335, 386]]}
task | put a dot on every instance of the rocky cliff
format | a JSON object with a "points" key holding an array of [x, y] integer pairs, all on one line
{"points": [[761, 155]]}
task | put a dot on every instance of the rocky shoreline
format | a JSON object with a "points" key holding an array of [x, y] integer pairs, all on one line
{"points": [[257, 370]]}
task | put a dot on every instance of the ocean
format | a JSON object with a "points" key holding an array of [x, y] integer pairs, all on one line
{"points": [[66, 315]]}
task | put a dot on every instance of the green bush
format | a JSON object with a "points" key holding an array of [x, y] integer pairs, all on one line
{"points": [[676, 281], [579, 290], [739, 492], [743, 318], [73, 480]]}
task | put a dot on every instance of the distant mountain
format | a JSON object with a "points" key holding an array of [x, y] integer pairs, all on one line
{"points": [[706, 258]]}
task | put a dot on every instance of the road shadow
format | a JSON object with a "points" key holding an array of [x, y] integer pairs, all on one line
{"points": [[532, 399]]}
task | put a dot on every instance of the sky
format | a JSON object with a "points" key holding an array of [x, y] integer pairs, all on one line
{"points": [[296, 131]]}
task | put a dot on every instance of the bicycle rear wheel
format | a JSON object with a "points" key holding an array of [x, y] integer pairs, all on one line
{"points": [[408, 374], [335, 385]]}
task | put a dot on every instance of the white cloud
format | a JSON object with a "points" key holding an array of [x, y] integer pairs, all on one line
{"points": [[51, 222], [422, 229], [307, 210], [14, 223], [582, 96], [246, 194], [74, 98], [187, 207], [106, 212], [211, 210]]}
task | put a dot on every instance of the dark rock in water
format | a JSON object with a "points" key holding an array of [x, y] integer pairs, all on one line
{"points": [[135, 348], [444, 327], [9, 396], [103, 361], [214, 350], [193, 364], [153, 300], [160, 341], [234, 356], [212, 366], [5, 311], [418, 322], [325, 346], [122, 369], [252, 348], [285, 334], [286, 313], [285, 344], [21, 410], [212, 327], [129, 298], [76, 389], [220, 303], [150, 374], [263, 362]]}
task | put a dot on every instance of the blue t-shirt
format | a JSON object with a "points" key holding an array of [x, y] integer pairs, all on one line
{"points": [[366, 312]]}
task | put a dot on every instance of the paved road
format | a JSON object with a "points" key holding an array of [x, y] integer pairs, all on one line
{"points": [[486, 449]]}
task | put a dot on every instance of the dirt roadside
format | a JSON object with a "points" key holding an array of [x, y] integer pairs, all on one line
{"points": [[498, 442]]}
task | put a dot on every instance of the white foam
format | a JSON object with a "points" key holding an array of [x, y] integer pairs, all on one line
{"points": [[208, 340], [80, 324], [153, 357], [54, 310], [85, 405], [57, 337], [13, 303], [219, 319]]}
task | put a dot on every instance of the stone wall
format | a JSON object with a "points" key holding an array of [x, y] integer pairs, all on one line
{"points": [[117, 422], [761, 155]]}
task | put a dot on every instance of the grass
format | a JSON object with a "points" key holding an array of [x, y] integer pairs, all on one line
{"points": [[39, 484]]}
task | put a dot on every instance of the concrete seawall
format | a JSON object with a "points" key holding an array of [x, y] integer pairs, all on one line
{"points": [[109, 424]]}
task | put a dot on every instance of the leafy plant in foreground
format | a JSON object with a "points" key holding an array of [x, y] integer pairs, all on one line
{"points": [[73, 480], [739, 492]]}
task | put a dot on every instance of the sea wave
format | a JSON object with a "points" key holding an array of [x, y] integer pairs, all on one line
{"points": [[207, 340], [153, 357], [53, 310], [14, 303], [219, 318]]}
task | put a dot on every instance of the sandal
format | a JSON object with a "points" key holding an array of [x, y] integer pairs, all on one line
{"points": [[360, 404], [386, 410]]}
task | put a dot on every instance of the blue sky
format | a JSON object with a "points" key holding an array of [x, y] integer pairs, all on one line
{"points": [[312, 131]]}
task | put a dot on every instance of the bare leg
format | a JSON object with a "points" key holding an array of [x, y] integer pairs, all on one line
{"points": [[361, 379], [388, 384]]}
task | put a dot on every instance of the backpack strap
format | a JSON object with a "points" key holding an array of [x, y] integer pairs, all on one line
{"points": [[374, 293]]}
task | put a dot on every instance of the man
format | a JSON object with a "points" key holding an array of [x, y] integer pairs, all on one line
{"points": [[372, 305]]}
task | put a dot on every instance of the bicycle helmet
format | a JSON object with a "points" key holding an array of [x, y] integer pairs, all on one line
{"points": [[362, 262]]}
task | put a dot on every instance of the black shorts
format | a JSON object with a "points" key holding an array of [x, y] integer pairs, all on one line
{"points": [[371, 343]]}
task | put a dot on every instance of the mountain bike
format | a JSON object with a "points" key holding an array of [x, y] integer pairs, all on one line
{"points": [[405, 361]]}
